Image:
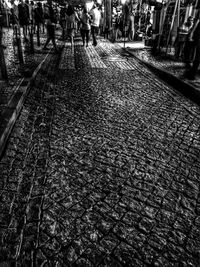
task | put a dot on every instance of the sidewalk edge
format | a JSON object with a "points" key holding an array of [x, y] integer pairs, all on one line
{"points": [[181, 86], [9, 116]]}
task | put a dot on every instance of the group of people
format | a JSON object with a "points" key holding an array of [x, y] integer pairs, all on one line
{"points": [[188, 45], [132, 32], [86, 21], [25, 14]]}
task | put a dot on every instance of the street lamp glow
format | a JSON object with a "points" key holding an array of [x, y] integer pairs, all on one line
{"points": [[123, 2]]}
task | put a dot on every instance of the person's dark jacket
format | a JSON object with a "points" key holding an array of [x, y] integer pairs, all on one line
{"points": [[23, 14], [50, 14], [39, 14]]}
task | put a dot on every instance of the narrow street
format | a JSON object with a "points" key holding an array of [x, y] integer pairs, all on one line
{"points": [[102, 167]]}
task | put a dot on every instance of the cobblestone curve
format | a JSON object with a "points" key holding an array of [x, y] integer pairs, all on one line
{"points": [[102, 169]]}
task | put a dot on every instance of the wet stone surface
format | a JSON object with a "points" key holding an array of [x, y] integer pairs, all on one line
{"points": [[102, 168]]}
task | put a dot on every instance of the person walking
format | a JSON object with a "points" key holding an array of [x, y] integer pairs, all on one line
{"points": [[31, 11], [189, 46], [85, 26], [39, 16], [50, 17], [117, 26], [63, 19], [182, 37], [79, 13], [71, 18], [96, 17], [23, 15], [195, 37], [14, 14]]}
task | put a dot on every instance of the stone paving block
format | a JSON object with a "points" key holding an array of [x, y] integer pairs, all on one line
{"points": [[127, 255]]}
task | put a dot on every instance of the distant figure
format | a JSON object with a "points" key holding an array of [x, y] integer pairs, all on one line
{"points": [[148, 30], [101, 26], [14, 14], [39, 16], [189, 47], [71, 19], [50, 16], [23, 15], [79, 13], [182, 36], [195, 36], [117, 26], [31, 11], [96, 17], [63, 20], [85, 26]]}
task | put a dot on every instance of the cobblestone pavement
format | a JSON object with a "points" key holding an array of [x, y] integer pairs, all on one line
{"points": [[102, 168], [17, 71], [166, 62]]}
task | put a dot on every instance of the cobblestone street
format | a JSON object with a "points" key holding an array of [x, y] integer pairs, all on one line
{"points": [[102, 167]]}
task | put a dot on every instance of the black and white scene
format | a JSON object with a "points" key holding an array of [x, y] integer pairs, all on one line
{"points": [[99, 133]]}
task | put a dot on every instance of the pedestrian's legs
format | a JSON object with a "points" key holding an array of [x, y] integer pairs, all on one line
{"points": [[43, 27], [47, 42], [54, 44], [196, 61], [116, 34], [83, 36], [37, 28], [51, 36], [25, 33], [132, 27], [63, 33], [71, 36], [51, 33], [179, 50], [87, 37], [93, 31], [188, 53], [34, 27], [72, 41], [193, 70]]}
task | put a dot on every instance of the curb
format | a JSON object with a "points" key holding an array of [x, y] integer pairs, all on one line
{"points": [[181, 86], [10, 114]]}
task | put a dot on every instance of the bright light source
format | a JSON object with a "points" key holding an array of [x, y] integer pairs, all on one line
{"points": [[123, 2]]}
